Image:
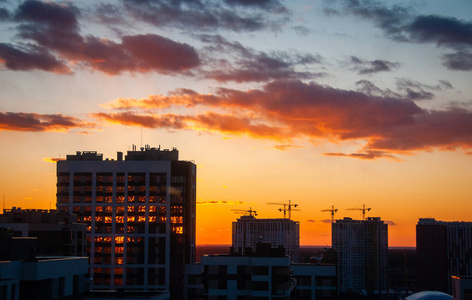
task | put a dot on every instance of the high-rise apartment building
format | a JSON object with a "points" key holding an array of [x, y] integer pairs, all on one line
{"points": [[443, 249], [140, 213], [362, 253], [248, 231]]}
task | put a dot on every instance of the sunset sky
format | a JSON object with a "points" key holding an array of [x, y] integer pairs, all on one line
{"points": [[323, 103]]}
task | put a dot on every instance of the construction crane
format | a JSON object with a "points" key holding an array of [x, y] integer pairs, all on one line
{"points": [[363, 209], [332, 210], [287, 208], [252, 213]]}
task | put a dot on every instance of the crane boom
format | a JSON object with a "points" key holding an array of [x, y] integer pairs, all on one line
{"points": [[252, 213], [332, 210], [287, 208], [363, 209]]}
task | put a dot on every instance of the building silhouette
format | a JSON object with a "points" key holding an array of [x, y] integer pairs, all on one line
{"points": [[57, 233], [140, 213], [444, 249], [24, 275], [248, 231], [362, 254]]}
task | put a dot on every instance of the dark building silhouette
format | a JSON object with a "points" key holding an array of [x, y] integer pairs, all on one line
{"points": [[444, 249], [248, 230], [58, 233], [26, 276], [362, 254], [140, 214]]}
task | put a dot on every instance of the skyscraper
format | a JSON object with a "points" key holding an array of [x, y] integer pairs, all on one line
{"points": [[248, 231], [362, 252], [140, 213], [443, 249]]}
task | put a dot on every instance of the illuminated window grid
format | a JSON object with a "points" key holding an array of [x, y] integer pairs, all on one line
{"points": [[116, 218]]}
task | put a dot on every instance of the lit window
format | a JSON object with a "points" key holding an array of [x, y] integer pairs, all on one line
{"points": [[119, 239], [178, 229], [141, 219], [142, 208], [108, 219], [130, 219]]}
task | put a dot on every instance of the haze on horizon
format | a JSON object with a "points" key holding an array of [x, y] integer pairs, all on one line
{"points": [[322, 103]]}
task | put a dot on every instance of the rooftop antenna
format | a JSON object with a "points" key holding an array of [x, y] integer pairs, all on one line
{"points": [[332, 210]]}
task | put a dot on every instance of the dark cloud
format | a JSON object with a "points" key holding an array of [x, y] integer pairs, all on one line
{"points": [[401, 24], [407, 89], [459, 61], [204, 16], [444, 31], [301, 30], [54, 29], [231, 61], [5, 14], [328, 221], [311, 221], [30, 58], [14, 121], [284, 110], [365, 67]]}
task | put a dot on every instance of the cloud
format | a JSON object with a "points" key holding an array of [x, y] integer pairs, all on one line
{"points": [[459, 61], [210, 16], [30, 58], [53, 159], [209, 202], [391, 223], [328, 221], [54, 30], [402, 25], [367, 155], [311, 221], [407, 89], [286, 147], [243, 64], [18, 121], [284, 110], [365, 67]]}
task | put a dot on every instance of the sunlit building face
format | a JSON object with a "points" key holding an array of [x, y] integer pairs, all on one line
{"points": [[140, 216]]}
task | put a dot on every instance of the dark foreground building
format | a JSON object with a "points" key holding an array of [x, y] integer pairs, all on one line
{"points": [[444, 249], [362, 254], [140, 213]]}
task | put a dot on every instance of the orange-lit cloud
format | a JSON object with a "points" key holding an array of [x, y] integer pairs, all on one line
{"points": [[53, 159], [283, 110], [219, 202], [286, 147], [18, 121], [311, 221]]}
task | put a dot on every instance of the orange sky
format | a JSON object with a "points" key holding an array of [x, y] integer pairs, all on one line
{"points": [[319, 102]]}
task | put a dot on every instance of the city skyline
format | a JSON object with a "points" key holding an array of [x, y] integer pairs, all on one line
{"points": [[322, 103]]}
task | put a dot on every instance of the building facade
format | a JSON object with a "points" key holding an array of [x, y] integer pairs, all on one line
{"points": [[248, 231], [57, 233], [362, 254], [140, 216], [26, 276], [263, 274], [444, 249]]}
